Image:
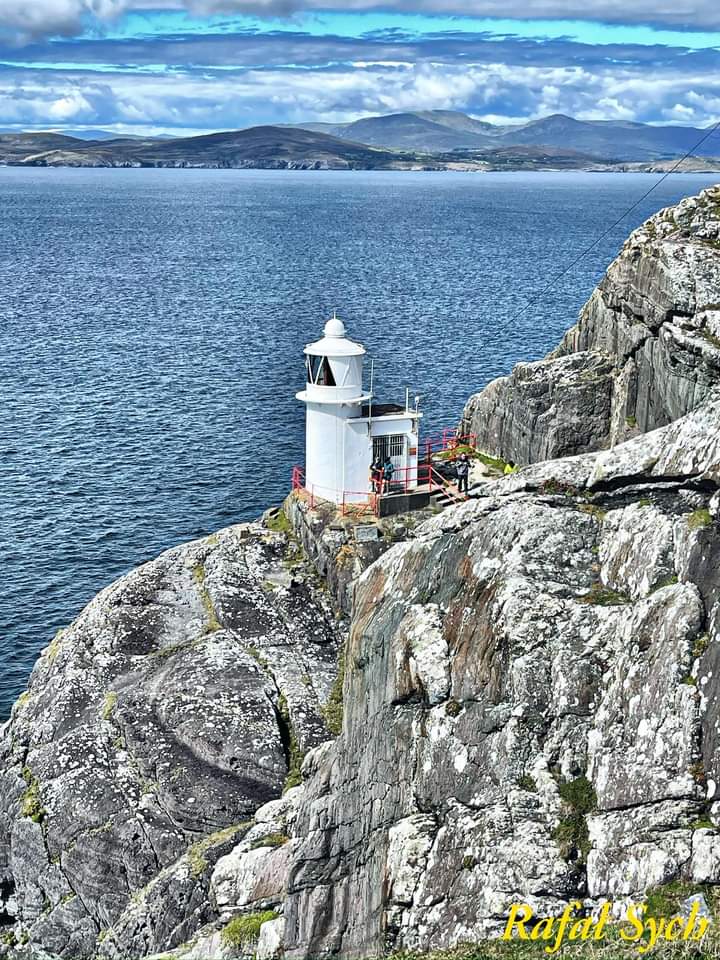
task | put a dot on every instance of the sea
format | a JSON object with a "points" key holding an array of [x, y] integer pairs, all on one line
{"points": [[152, 324]]}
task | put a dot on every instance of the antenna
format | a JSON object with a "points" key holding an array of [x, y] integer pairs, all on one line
{"points": [[372, 378]]}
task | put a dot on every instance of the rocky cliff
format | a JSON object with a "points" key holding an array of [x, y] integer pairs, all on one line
{"points": [[645, 350], [180, 701], [529, 684]]}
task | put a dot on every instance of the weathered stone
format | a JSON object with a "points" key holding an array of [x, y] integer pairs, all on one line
{"points": [[644, 352], [165, 713]]}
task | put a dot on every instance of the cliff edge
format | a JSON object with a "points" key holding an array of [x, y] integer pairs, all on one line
{"points": [[644, 352]]}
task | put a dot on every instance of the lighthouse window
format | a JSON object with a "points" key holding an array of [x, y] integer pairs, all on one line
{"points": [[320, 372], [325, 377], [313, 365]]}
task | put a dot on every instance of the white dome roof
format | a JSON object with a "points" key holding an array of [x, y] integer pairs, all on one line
{"points": [[334, 327], [334, 343]]}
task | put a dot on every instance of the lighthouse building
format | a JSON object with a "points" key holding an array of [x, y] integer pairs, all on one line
{"points": [[346, 429]]}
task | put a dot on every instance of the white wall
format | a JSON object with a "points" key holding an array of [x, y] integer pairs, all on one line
{"points": [[331, 439]]}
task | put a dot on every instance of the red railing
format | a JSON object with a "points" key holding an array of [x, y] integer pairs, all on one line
{"points": [[357, 503], [449, 439], [403, 478]]}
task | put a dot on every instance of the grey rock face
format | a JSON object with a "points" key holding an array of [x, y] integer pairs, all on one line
{"points": [[165, 713], [644, 352], [527, 708], [550, 408]]}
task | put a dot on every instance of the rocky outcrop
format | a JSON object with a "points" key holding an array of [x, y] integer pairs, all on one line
{"points": [[529, 711], [644, 352], [152, 730], [529, 706]]}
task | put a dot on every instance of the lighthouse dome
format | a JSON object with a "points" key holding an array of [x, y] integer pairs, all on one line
{"points": [[334, 327], [334, 342]]}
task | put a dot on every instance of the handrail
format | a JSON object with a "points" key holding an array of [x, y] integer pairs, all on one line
{"points": [[446, 487], [449, 439], [406, 478]]}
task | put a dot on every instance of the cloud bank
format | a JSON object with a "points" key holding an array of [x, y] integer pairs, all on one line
{"points": [[147, 73]]}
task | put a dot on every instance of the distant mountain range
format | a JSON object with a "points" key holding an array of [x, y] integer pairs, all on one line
{"points": [[434, 140], [442, 130]]}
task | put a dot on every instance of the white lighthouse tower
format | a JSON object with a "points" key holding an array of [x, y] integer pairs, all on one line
{"points": [[345, 430]]}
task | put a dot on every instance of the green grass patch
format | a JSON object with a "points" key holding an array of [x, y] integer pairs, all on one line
{"points": [[699, 519], [197, 853], [271, 840], [279, 523], [452, 453], [631, 421], [109, 704], [700, 644], [333, 710], [199, 577], [296, 756], [31, 804], [602, 596], [579, 799], [243, 931], [611, 947], [496, 463], [665, 900], [527, 783], [665, 582]]}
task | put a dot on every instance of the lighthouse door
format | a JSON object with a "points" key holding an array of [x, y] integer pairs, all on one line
{"points": [[395, 445]]}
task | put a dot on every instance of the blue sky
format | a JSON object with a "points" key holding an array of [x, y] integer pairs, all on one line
{"points": [[186, 66]]}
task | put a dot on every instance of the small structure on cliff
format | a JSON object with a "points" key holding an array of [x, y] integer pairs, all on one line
{"points": [[346, 430]]}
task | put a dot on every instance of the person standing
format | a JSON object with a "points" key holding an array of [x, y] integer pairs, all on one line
{"points": [[388, 469], [376, 472], [462, 471]]}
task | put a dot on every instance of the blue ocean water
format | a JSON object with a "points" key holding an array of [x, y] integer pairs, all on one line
{"points": [[152, 332]]}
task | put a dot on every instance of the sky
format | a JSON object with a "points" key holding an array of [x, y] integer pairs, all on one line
{"points": [[191, 66]]}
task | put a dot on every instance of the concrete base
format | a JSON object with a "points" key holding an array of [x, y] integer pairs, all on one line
{"points": [[395, 503]]}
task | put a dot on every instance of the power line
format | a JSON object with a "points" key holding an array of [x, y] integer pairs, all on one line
{"points": [[597, 240]]}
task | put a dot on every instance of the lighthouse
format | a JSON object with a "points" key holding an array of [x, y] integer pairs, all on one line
{"points": [[346, 429]]}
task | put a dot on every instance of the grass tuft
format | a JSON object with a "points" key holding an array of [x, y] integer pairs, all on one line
{"points": [[333, 710], [31, 804], [243, 931], [602, 596], [699, 519], [109, 704], [279, 523], [213, 623], [571, 833], [197, 853], [271, 840]]}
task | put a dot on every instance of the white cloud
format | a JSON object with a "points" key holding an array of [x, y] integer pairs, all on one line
{"points": [[496, 91]]}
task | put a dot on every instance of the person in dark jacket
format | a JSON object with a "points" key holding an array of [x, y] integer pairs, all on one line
{"points": [[376, 473], [388, 471], [462, 471]]}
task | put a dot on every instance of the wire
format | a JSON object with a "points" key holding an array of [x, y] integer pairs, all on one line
{"points": [[634, 206]]}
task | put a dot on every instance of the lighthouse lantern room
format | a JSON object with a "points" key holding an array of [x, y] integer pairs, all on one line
{"points": [[345, 429]]}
